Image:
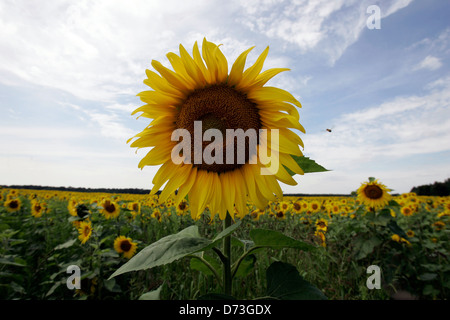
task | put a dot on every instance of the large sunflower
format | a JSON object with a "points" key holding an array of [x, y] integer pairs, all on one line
{"points": [[374, 194], [200, 88]]}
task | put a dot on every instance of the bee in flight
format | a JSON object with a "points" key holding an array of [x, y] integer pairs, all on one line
{"points": [[329, 130]]}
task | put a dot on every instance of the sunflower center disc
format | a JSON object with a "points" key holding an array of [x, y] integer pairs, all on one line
{"points": [[373, 192], [125, 245], [219, 107]]}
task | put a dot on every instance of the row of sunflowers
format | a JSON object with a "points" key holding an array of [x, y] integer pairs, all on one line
{"points": [[42, 232]]}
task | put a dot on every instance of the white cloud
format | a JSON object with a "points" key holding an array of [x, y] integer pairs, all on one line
{"points": [[327, 27], [95, 50], [429, 63]]}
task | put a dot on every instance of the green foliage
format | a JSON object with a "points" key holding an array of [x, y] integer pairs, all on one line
{"points": [[285, 283], [35, 253], [308, 165]]}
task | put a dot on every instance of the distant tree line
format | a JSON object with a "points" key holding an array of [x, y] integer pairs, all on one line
{"points": [[141, 191], [75, 189], [435, 189]]}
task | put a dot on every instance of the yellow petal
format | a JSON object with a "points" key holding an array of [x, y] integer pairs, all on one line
{"points": [[171, 77], [192, 68], [178, 67], [260, 183], [279, 120], [187, 186], [216, 195], [208, 57], [289, 162], [162, 175], [273, 185], [182, 174], [272, 94], [158, 98], [237, 179], [157, 156], [285, 177], [265, 76], [158, 83], [228, 191], [277, 106], [251, 73], [222, 65], [237, 68], [251, 186], [199, 61]]}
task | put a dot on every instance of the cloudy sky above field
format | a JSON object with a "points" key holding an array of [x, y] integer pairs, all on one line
{"points": [[70, 72]]}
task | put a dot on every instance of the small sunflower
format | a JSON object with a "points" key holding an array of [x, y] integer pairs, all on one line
{"points": [[110, 209], [255, 214], [321, 236], [406, 211], [374, 194], [126, 246], [284, 206], [200, 89], [321, 225], [13, 204], [314, 206], [335, 208], [297, 207], [72, 207], [37, 209], [280, 215], [410, 233], [85, 231], [135, 207], [182, 208], [157, 215], [439, 225]]}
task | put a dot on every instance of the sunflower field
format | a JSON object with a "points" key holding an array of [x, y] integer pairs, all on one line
{"points": [[42, 233]]}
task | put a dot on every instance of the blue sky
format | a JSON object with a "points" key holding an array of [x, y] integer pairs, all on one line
{"points": [[70, 72]]}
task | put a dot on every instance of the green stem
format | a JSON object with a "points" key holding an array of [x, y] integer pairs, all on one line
{"points": [[227, 277]]}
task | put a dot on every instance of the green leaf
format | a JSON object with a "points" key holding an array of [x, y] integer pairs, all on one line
{"points": [[427, 276], [112, 286], [393, 203], [364, 247], [198, 265], [152, 295], [19, 263], [246, 266], [166, 250], [173, 247], [66, 244], [277, 240], [308, 165], [394, 227], [246, 244], [227, 231], [285, 283], [383, 217]]}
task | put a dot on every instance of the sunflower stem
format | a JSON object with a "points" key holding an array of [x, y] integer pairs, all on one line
{"points": [[227, 276]]}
